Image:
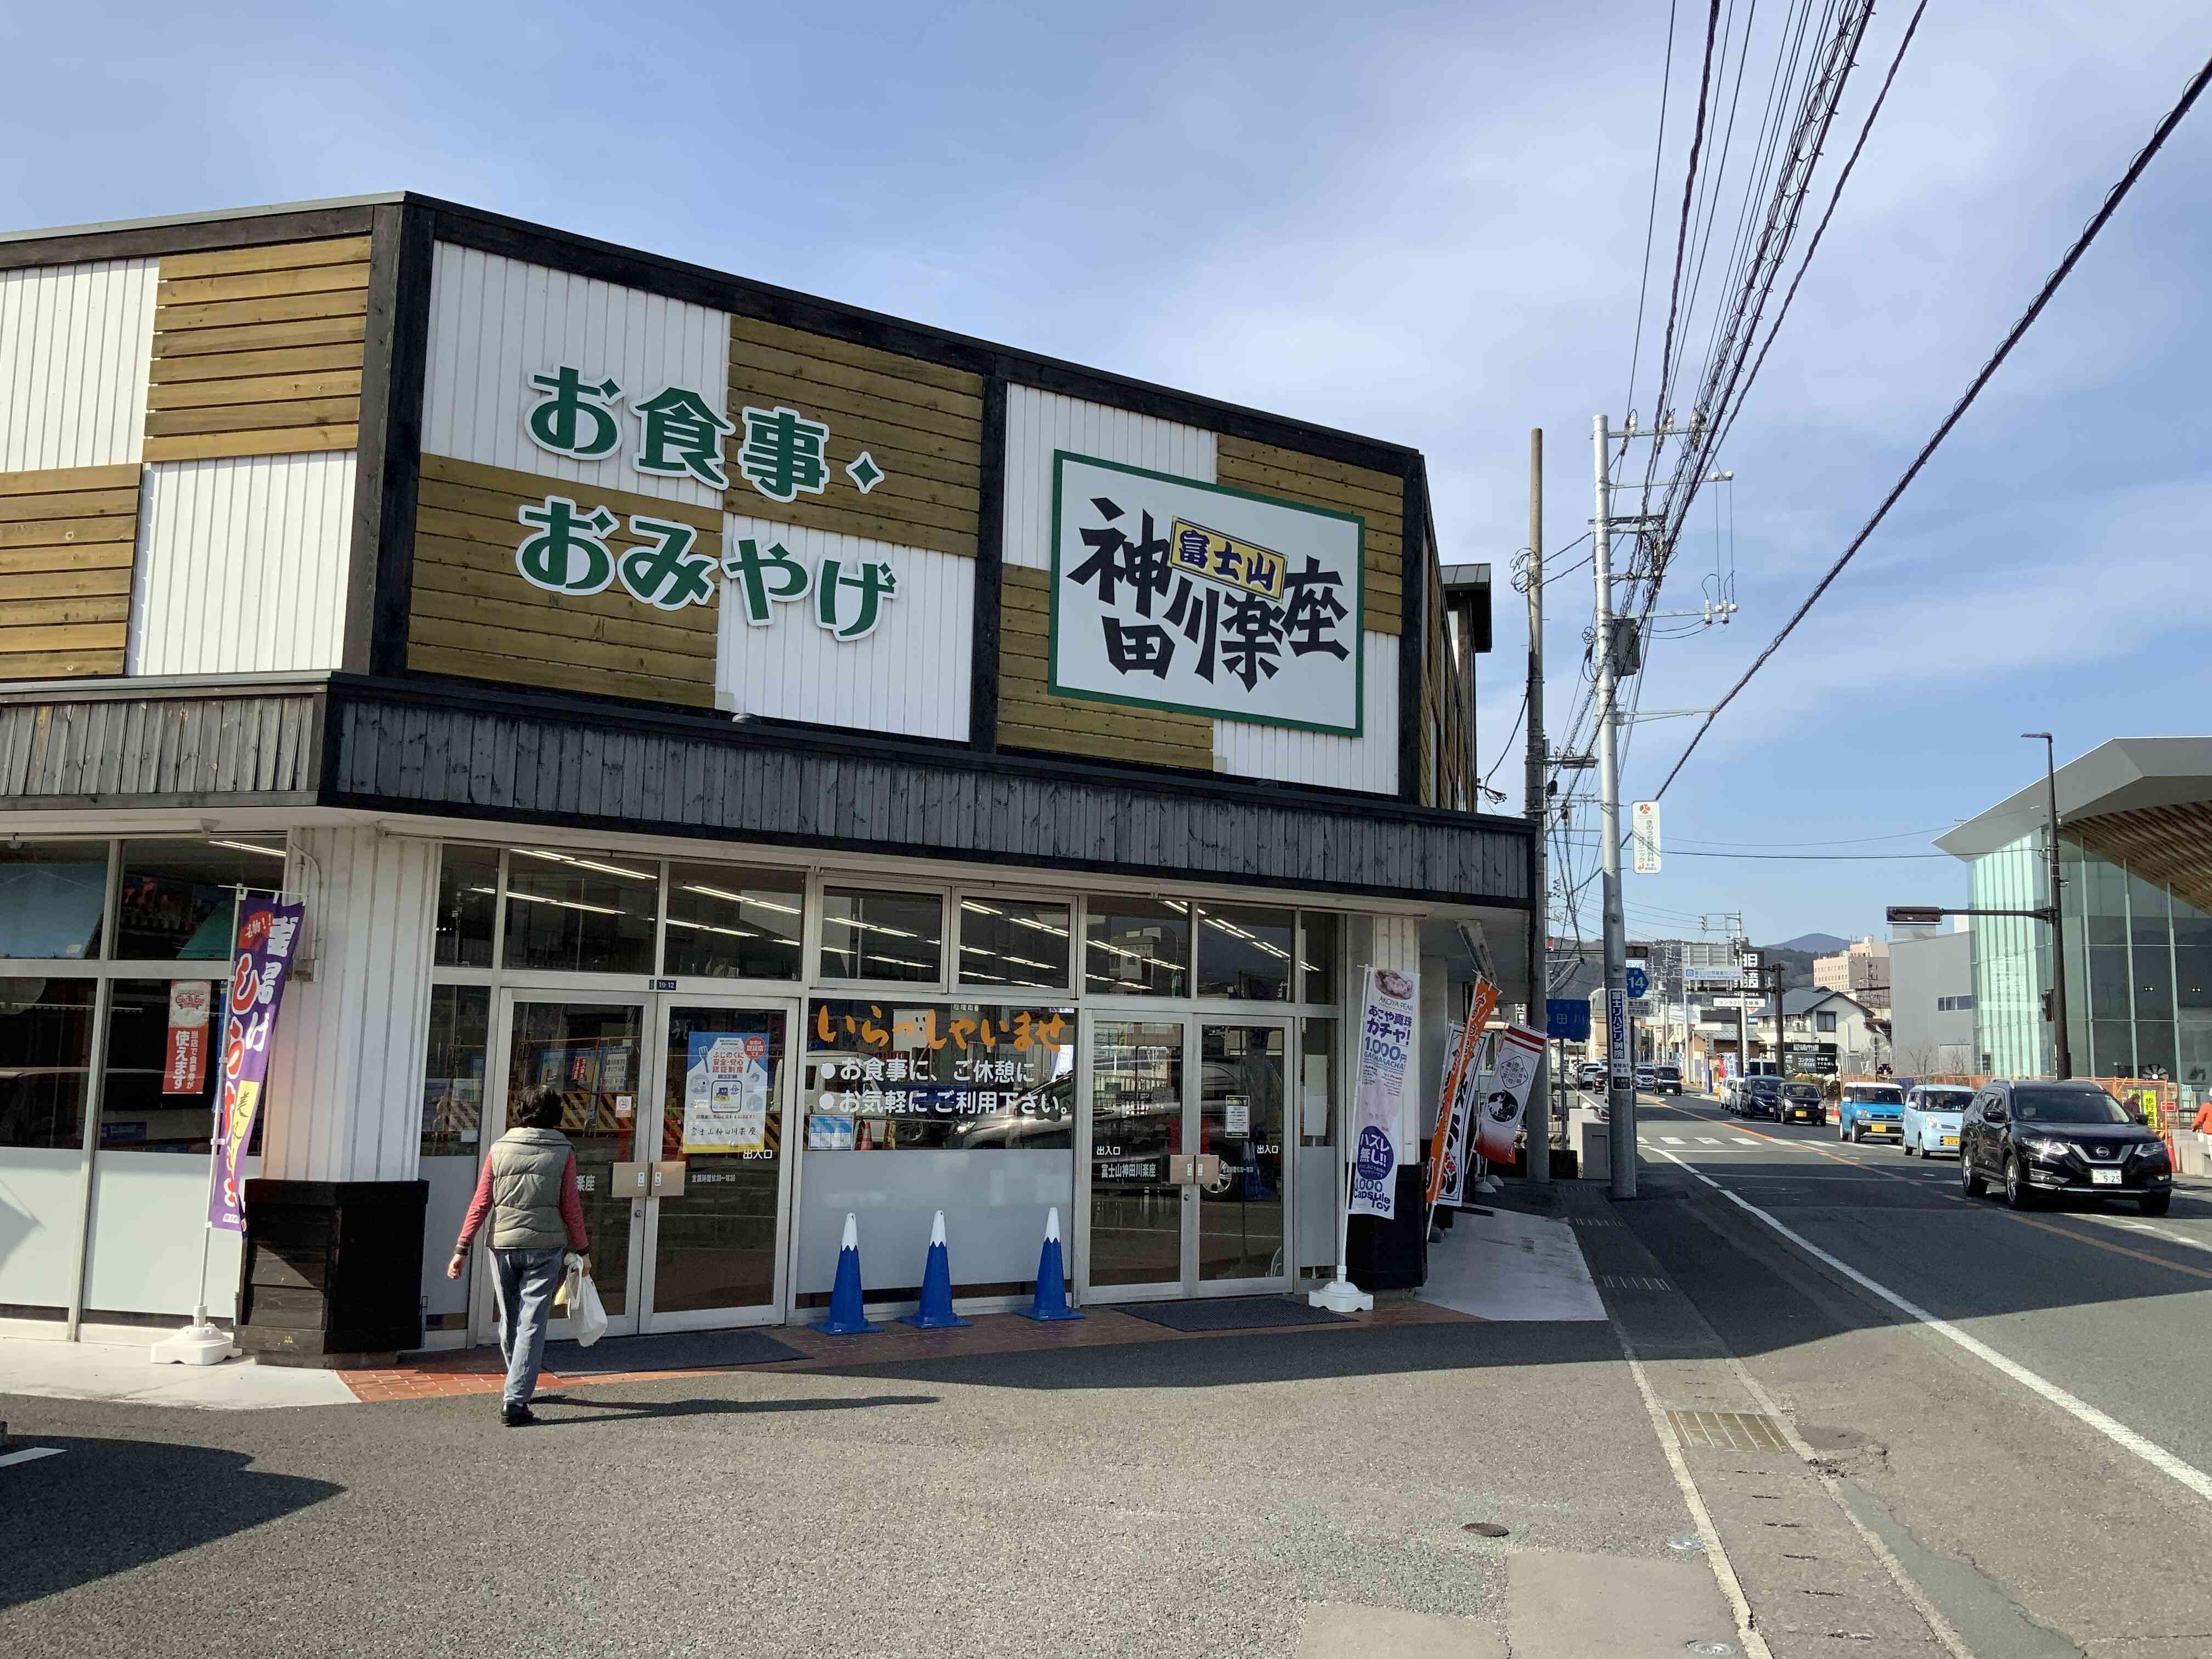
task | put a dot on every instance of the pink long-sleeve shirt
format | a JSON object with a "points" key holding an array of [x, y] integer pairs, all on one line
{"points": [[572, 1209]]}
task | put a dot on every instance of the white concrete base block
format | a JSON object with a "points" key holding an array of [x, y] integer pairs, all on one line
{"points": [[195, 1345], [1341, 1296]]}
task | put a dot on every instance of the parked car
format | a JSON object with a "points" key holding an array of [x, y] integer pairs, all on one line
{"points": [[1932, 1114], [1869, 1108], [1801, 1102], [1590, 1074], [1667, 1079], [1646, 1079], [1758, 1096], [2041, 1139]]}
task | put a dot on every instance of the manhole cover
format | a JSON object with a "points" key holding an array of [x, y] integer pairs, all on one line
{"points": [[1486, 1529], [1743, 1432]]}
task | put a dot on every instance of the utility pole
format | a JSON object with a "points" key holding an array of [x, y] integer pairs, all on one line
{"points": [[1620, 1061], [2062, 1048], [1537, 1164]]}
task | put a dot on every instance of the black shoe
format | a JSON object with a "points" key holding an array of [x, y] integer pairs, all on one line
{"points": [[517, 1417]]}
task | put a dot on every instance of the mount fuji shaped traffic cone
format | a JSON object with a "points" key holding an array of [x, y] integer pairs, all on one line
{"points": [[1050, 1300], [847, 1315], [936, 1313]]}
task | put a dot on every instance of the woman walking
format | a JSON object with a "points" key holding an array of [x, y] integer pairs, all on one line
{"points": [[528, 1189]]}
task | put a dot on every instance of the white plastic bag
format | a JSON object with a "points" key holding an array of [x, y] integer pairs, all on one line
{"points": [[588, 1315]]}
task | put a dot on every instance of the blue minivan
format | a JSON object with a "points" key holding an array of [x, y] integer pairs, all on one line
{"points": [[1870, 1109]]}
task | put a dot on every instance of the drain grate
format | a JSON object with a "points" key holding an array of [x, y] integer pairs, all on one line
{"points": [[1743, 1432], [1592, 1221], [1633, 1282]]}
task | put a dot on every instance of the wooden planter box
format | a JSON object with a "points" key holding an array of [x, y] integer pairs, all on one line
{"points": [[332, 1272]]}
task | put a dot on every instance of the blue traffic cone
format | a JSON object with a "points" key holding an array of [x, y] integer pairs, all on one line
{"points": [[847, 1315], [936, 1313], [1050, 1300]]}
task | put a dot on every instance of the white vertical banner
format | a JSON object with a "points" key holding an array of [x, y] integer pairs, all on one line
{"points": [[1389, 1002], [1519, 1062], [1643, 835]]}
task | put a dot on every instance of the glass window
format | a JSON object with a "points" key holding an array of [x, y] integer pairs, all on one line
{"points": [[2149, 914], [887, 936], [1014, 942], [468, 902], [942, 1076], [728, 922], [177, 897], [2112, 1046], [1244, 951], [1136, 947], [52, 897], [453, 1070], [1825, 1022], [2192, 976], [580, 913], [2154, 981], [46, 1061], [2108, 981], [2065, 1103], [159, 1093], [2155, 1050], [1318, 953]]}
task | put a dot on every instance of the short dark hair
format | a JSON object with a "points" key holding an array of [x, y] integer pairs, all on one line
{"points": [[539, 1108]]}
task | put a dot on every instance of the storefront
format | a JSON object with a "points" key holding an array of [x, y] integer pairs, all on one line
{"points": [[866, 771]]}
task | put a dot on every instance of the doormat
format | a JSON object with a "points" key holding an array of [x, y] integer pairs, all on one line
{"points": [[676, 1351], [1241, 1312]]}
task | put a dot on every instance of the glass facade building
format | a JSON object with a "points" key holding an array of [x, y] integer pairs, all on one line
{"points": [[2138, 969]]}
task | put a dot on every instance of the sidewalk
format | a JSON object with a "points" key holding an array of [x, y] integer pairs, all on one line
{"points": [[100, 1370]]}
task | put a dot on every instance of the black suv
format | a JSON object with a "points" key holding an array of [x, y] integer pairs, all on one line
{"points": [[2042, 1139]]}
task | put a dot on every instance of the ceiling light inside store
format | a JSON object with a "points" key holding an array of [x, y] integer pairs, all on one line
{"points": [[249, 846], [564, 904], [589, 864]]}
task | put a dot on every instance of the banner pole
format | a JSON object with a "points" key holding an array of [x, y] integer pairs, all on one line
{"points": [[201, 1343]]}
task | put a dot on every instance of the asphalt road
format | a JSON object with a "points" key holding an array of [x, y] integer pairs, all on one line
{"points": [[2031, 1434]]}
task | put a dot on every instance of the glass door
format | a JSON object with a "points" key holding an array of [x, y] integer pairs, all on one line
{"points": [[720, 1181], [1186, 1164], [591, 1050]]}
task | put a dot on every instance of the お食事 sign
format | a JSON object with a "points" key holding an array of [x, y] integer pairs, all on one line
{"points": [[1171, 593]]}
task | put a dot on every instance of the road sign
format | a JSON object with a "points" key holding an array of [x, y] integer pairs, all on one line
{"points": [[1616, 1034], [1566, 1019], [1915, 915], [1638, 984], [1643, 832], [1750, 962]]}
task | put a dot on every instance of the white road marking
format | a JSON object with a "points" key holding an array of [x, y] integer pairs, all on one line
{"points": [[1747, 1141], [1707, 1140], [2072, 1404], [1715, 1552], [1674, 1140], [30, 1454], [2167, 1234]]}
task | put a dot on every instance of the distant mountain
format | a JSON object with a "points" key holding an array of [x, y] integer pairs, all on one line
{"points": [[1817, 945], [1796, 965]]}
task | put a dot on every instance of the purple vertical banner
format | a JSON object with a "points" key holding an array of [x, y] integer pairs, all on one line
{"points": [[259, 966]]}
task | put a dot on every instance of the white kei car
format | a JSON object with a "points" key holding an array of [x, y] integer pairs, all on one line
{"points": [[1932, 1111]]}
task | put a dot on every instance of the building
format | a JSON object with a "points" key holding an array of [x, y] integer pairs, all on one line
{"points": [[1825, 1032], [1861, 971], [1011, 765], [1932, 1000], [2135, 846]]}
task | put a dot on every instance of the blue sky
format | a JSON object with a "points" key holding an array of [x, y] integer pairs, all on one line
{"points": [[1423, 222]]}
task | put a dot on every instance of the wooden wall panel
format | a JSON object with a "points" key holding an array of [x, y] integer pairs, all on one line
{"points": [[1029, 718], [1291, 475], [258, 350], [473, 614], [922, 422], [67, 542]]}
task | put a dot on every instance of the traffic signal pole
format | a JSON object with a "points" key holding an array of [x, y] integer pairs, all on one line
{"points": [[1620, 1058]]}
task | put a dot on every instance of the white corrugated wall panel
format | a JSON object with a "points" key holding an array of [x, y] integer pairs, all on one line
{"points": [[911, 676], [1038, 422], [75, 344], [1367, 762], [494, 322], [345, 1077], [242, 565]]}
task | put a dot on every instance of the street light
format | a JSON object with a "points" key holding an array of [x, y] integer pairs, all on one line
{"points": [[2062, 1050]]}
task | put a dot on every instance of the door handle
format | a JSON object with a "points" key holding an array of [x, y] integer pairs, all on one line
{"points": [[1183, 1169], [1208, 1171], [630, 1180], [668, 1178]]}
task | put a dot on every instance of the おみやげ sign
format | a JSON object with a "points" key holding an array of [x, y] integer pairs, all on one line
{"points": [[1169, 592]]}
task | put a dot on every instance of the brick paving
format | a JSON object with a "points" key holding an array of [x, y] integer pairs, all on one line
{"points": [[478, 1370]]}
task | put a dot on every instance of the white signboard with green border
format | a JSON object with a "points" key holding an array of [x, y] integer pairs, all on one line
{"points": [[1171, 593]]}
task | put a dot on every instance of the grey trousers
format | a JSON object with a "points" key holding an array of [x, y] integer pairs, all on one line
{"points": [[524, 1281]]}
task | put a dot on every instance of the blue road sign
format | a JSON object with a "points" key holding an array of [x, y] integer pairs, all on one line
{"points": [[1638, 984], [1567, 1019]]}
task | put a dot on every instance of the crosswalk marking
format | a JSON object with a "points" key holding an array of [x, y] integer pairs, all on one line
{"points": [[1707, 1140], [30, 1455], [1673, 1141], [1747, 1141]]}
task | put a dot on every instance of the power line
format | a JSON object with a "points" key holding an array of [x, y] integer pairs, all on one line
{"points": [[1689, 185], [1651, 213], [2113, 200], [1845, 841], [1808, 858]]}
